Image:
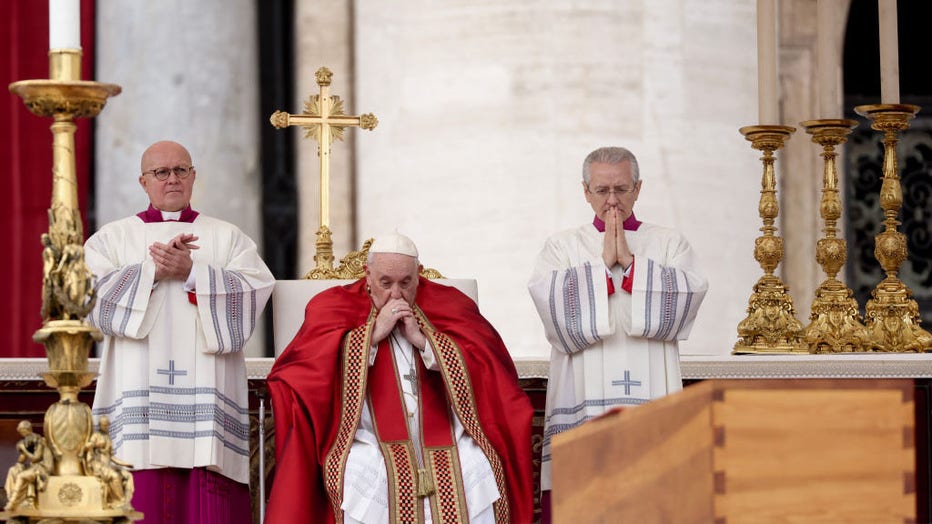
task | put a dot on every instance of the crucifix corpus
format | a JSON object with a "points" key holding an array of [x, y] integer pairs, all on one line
{"points": [[323, 119]]}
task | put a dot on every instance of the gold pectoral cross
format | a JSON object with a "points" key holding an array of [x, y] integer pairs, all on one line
{"points": [[324, 120]]}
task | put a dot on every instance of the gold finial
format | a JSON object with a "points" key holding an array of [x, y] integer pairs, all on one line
{"points": [[323, 76]]}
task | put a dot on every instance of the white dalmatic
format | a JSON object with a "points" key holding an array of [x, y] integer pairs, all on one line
{"points": [[365, 483], [172, 372], [612, 350]]}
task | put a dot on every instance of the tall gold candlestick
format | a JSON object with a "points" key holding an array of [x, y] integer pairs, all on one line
{"points": [[771, 325], [70, 486], [835, 323], [891, 315]]}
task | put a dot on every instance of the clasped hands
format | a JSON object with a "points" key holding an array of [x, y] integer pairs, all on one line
{"points": [[615, 246], [397, 311], [173, 260]]}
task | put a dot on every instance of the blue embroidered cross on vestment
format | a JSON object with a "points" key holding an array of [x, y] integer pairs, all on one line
{"points": [[171, 372], [627, 382]]}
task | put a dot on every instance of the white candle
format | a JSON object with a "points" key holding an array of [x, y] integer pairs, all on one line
{"points": [[889, 56], [828, 59], [767, 62], [64, 24]]}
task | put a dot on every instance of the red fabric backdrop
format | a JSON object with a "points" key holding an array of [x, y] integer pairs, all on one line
{"points": [[26, 164]]}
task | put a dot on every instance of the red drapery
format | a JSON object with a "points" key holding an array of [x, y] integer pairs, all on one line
{"points": [[26, 163]]}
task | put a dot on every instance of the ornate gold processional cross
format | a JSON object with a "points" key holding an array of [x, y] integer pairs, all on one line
{"points": [[324, 120]]}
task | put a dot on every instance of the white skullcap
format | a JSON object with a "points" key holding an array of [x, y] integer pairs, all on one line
{"points": [[394, 243]]}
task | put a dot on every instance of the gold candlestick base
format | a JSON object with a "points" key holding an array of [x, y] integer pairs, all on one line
{"points": [[771, 325], [72, 484], [835, 323], [892, 316]]}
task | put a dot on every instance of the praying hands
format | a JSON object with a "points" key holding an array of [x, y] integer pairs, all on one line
{"points": [[615, 246], [397, 312]]}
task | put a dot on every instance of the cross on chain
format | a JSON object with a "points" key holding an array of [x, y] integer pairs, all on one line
{"points": [[324, 120], [171, 372], [627, 382], [411, 377]]}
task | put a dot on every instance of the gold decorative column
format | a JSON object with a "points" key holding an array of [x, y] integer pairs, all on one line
{"points": [[71, 483], [835, 322], [891, 315], [771, 325]]}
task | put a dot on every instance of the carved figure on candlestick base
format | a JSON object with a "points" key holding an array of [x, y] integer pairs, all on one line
{"points": [[100, 462], [30, 474]]}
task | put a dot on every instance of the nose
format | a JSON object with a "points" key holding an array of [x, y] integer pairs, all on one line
{"points": [[396, 291]]}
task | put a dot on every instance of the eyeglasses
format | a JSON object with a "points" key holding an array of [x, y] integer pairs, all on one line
{"points": [[604, 192], [163, 173]]}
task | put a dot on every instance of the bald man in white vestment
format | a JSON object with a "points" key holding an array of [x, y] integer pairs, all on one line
{"points": [[178, 296], [614, 296]]}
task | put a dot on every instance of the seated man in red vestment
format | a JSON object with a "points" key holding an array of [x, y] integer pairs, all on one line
{"points": [[398, 402]]}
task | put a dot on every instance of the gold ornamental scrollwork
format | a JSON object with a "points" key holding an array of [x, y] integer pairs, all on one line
{"points": [[70, 494], [352, 267]]}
